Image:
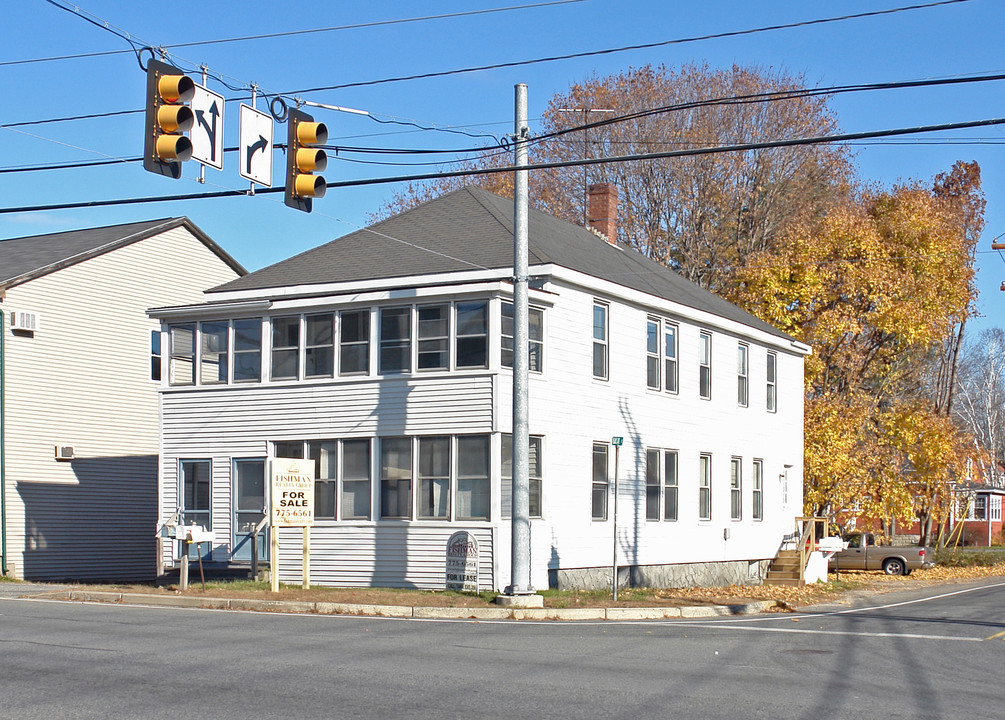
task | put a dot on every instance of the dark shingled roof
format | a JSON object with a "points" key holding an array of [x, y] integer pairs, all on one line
{"points": [[472, 229], [28, 257]]}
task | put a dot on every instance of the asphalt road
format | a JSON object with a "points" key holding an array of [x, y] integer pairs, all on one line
{"points": [[935, 654]]}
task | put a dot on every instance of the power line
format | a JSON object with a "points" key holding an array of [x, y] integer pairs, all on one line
{"points": [[290, 33], [743, 147], [626, 48]]}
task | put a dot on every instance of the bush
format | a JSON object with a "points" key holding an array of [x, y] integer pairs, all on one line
{"points": [[969, 558]]}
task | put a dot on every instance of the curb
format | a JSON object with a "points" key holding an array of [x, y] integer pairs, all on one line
{"points": [[404, 611]]}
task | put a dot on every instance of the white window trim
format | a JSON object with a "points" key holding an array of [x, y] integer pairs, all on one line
{"points": [[705, 349], [743, 374], [605, 342]]}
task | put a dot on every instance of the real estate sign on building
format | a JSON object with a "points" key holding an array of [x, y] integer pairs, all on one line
{"points": [[292, 492]]}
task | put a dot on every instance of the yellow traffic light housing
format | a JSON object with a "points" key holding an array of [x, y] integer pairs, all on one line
{"points": [[303, 159], [165, 146]]}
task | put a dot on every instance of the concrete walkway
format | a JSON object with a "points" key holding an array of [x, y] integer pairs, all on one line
{"points": [[398, 611]]}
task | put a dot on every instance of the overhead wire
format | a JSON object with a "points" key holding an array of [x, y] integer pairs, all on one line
{"points": [[740, 147], [626, 48], [291, 33]]}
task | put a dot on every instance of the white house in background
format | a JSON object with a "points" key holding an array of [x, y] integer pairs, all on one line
{"points": [[79, 435], [385, 355]]}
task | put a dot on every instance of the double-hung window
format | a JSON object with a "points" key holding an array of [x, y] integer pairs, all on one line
{"points": [[285, 348], [324, 454], [757, 511], [735, 489], [472, 335], [181, 369], [319, 346], [742, 353], [600, 353], [356, 479], [536, 465], [771, 401], [652, 484], [473, 493], [705, 365], [354, 342], [670, 357], [670, 485], [195, 492], [213, 358], [248, 350], [155, 355], [396, 478], [433, 337], [704, 487], [535, 339], [600, 481], [653, 361], [434, 478], [395, 340]]}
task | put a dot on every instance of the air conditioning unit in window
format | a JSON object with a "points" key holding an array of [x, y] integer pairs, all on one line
{"points": [[21, 320], [64, 452]]}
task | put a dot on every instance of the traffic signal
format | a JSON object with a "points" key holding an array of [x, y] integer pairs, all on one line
{"points": [[165, 146], [303, 159]]}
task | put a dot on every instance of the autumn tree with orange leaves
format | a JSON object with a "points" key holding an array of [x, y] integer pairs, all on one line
{"points": [[876, 287]]}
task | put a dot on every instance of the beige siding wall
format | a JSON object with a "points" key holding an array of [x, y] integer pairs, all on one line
{"points": [[83, 379]]}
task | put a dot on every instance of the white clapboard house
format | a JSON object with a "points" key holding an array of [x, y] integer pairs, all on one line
{"points": [[386, 357], [79, 370]]}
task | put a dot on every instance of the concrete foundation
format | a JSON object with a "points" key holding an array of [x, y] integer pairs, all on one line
{"points": [[719, 574]]}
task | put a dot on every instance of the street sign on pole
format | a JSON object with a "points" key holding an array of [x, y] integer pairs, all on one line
{"points": [[255, 146], [207, 131]]}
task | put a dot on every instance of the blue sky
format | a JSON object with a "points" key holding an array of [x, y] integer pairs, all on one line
{"points": [[947, 41]]}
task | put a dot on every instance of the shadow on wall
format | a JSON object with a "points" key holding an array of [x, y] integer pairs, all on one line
{"points": [[99, 529]]}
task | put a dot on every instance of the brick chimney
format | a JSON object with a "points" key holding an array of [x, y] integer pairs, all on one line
{"points": [[602, 213]]}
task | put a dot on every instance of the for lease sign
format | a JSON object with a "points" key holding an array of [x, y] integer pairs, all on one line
{"points": [[292, 492]]}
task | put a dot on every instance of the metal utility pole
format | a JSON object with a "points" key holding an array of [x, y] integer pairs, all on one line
{"points": [[520, 577]]}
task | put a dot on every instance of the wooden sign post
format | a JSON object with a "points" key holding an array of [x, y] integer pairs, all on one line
{"points": [[291, 505]]}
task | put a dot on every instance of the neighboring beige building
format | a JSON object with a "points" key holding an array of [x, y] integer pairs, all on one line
{"points": [[79, 398]]}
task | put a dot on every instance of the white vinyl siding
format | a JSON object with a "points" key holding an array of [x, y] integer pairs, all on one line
{"points": [[105, 408]]}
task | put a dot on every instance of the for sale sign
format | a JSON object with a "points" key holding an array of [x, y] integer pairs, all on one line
{"points": [[292, 492]]}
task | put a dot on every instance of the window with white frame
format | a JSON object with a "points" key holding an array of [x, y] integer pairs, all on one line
{"points": [[474, 498], [653, 360], [669, 484], [433, 333], [757, 481], [536, 475], [395, 354], [653, 484], [181, 364], [285, 348], [319, 346], [735, 489], [213, 358], [472, 334], [535, 339], [705, 365], [704, 487], [248, 350], [155, 355], [396, 478], [434, 478], [356, 479], [670, 357], [354, 342], [600, 481], [980, 507], [996, 508], [742, 381], [771, 400], [196, 479], [324, 453], [600, 353]]}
